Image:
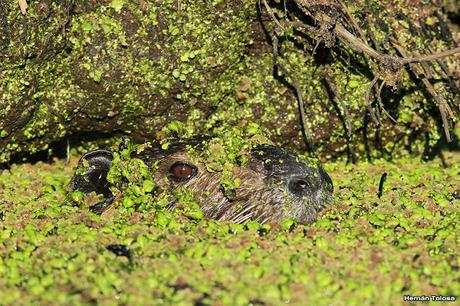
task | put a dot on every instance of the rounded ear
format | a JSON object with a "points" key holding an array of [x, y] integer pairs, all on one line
{"points": [[91, 175]]}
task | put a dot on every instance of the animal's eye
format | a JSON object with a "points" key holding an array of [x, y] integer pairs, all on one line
{"points": [[299, 186], [182, 172]]}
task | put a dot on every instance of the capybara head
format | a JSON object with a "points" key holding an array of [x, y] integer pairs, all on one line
{"points": [[274, 184]]}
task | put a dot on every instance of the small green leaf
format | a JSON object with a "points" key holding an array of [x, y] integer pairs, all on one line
{"points": [[353, 84], [87, 26], [148, 185], [176, 73], [117, 5]]}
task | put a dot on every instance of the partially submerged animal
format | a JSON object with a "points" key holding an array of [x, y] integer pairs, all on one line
{"points": [[274, 184]]}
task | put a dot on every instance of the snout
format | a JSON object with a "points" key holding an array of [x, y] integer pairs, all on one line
{"points": [[303, 187]]}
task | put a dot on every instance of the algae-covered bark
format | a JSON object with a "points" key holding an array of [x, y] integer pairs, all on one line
{"points": [[114, 65], [187, 67], [390, 69]]}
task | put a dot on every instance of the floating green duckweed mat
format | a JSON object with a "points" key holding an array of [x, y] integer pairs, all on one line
{"points": [[362, 250]]}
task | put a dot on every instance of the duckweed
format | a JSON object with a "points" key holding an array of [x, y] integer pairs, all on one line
{"points": [[363, 249]]}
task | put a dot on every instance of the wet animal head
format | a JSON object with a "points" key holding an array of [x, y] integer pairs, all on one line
{"points": [[275, 184]]}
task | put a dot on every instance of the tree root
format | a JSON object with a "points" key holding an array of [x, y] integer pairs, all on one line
{"points": [[336, 22]]}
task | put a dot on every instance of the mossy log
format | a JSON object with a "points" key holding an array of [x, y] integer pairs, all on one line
{"points": [[136, 67], [105, 66]]}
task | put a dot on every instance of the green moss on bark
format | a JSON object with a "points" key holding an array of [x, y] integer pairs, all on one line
{"points": [[135, 67]]}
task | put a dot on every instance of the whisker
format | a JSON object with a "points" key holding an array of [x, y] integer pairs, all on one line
{"points": [[242, 212], [245, 218]]}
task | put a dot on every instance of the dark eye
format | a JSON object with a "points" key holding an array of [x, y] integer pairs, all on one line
{"points": [[182, 172], [299, 186]]}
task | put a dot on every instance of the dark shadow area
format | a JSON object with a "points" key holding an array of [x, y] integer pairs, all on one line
{"points": [[454, 18], [58, 149], [441, 145]]}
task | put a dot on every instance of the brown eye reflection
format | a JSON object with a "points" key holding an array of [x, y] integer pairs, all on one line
{"points": [[182, 172]]}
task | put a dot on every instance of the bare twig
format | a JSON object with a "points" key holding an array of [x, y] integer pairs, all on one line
{"points": [[338, 97], [330, 28], [368, 100], [379, 99], [272, 15], [431, 57], [316, 46], [446, 73], [353, 21], [356, 43], [305, 131], [443, 106], [351, 40]]}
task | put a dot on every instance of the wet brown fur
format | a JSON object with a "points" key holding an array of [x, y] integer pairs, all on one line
{"points": [[254, 199], [268, 190], [206, 186]]}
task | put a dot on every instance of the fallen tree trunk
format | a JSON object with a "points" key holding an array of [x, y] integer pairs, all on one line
{"points": [[105, 66], [135, 67]]}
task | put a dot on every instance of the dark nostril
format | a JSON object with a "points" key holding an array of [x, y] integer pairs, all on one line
{"points": [[299, 186]]}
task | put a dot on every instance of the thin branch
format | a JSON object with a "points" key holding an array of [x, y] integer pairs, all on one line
{"points": [[431, 57], [272, 15], [353, 21], [443, 106], [316, 46], [379, 99], [356, 43], [305, 131], [446, 73], [368, 100], [338, 97]]}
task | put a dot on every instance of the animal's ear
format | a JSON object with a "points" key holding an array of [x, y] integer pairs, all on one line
{"points": [[91, 176]]}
